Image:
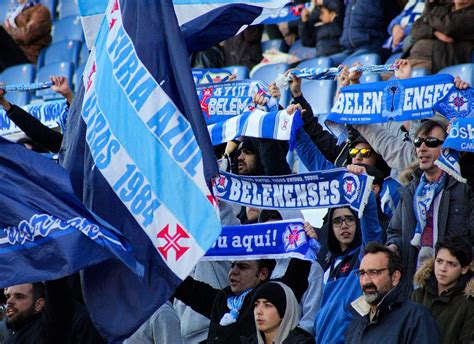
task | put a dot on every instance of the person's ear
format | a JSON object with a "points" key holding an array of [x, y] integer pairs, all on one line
{"points": [[263, 274], [396, 276], [376, 189], [465, 269], [39, 305]]}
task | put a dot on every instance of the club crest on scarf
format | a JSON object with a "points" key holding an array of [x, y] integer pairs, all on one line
{"points": [[293, 237], [392, 99], [456, 104], [350, 187]]}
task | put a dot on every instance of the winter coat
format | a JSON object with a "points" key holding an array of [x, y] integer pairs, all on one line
{"points": [[455, 217], [453, 309], [245, 48], [398, 320], [212, 303], [33, 31], [365, 23], [296, 336], [325, 37]]}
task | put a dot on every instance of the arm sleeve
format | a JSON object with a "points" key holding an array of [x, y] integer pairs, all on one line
{"points": [[421, 30], [37, 131], [395, 21], [198, 295], [296, 276], [309, 154], [371, 230], [394, 230], [273, 157], [306, 33], [38, 26], [453, 24]]}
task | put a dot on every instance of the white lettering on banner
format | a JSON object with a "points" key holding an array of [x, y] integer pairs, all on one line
{"points": [[249, 242], [423, 97], [227, 107], [355, 103], [462, 132]]}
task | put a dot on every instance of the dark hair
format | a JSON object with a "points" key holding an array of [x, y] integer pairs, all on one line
{"points": [[427, 126], [458, 247], [394, 262], [269, 264], [35, 146], [269, 215], [38, 291]]}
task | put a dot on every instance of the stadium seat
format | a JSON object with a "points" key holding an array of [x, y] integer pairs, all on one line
{"points": [[78, 75], [393, 58], [318, 62], [369, 77], [269, 73], [69, 28], [4, 6], [66, 51], [84, 54], [51, 5], [61, 69], [364, 59], [40, 59], [319, 94], [242, 72], [465, 71], [278, 44], [303, 53], [416, 72], [68, 8], [21, 74]]}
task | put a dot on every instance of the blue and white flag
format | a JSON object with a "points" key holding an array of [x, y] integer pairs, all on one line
{"points": [[389, 196], [448, 161], [210, 75], [456, 103], [203, 22], [393, 100], [270, 240], [322, 189], [278, 125], [288, 13], [146, 161], [45, 230], [221, 101]]}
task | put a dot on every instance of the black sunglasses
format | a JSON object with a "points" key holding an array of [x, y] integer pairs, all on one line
{"points": [[430, 142]]}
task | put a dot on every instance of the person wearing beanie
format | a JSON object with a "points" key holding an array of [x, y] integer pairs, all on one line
{"points": [[446, 288], [277, 313]]}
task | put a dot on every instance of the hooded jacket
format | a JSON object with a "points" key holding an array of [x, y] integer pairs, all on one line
{"points": [[453, 309]]}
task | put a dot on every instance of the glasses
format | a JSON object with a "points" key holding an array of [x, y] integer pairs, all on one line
{"points": [[349, 220], [430, 142], [370, 272], [365, 152]]}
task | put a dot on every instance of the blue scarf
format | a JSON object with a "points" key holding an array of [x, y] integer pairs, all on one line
{"points": [[456, 103], [425, 193], [210, 75], [16, 11], [27, 87], [234, 303]]}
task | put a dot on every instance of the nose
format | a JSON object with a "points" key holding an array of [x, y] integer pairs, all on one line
{"points": [[241, 156], [234, 270], [258, 309]]}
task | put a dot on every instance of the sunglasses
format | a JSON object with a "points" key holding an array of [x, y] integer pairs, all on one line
{"points": [[365, 152], [430, 142]]}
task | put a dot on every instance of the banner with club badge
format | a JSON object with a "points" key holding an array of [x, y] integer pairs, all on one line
{"points": [[270, 240], [461, 135], [393, 100], [456, 103], [210, 75], [221, 101], [321, 189]]}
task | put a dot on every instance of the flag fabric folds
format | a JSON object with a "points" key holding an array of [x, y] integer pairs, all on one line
{"points": [[46, 232], [145, 163]]}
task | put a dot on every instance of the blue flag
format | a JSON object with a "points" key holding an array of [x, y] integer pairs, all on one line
{"points": [[45, 230], [145, 163]]}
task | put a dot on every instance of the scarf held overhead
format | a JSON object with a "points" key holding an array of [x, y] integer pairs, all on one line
{"points": [[322, 189]]}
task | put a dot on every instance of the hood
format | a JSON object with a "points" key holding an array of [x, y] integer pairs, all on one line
{"points": [[333, 244], [251, 144]]}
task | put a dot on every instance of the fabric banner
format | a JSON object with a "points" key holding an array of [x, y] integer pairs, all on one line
{"points": [[393, 100], [210, 75], [288, 13], [221, 101], [456, 103], [50, 113], [461, 135], [322, 189], [45, 230], [270, 240], [278, 125]]}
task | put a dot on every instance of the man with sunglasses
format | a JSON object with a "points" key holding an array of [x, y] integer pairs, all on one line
{"points": [[432, 207], [384, 314]]}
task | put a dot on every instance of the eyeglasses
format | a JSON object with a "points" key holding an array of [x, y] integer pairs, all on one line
{"points": [[365, 152], [430, 142], [370, 272], [349, 220]]}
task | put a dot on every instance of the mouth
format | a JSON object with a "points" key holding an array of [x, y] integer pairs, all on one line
{"points": [[259, 321], [424, 158], [9, 312], [233, 282], [345, 235]]}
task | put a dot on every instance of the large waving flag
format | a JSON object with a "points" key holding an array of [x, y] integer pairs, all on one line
{"points": [[145, 163], [46, 232], [203, 22]]}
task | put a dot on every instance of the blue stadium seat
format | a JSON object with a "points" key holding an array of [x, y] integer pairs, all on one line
{"points": [[68, 8], [69, 28], [269, 73], [303, 53], [369, 77], [21, 74], [40, 59], [393, 58], [51, 5], [319, 94], [84, 54], [416, 72], [4, 6], [318, 62], [465, 71], [61, 69], [78, 75], [65, 51], [242, 72], [364, 59], [278, 44]]}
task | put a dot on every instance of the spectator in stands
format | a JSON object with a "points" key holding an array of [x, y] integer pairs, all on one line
{"points": [[447, 289], [286, 30], [441, 36], [245, 48], [400, 27], [27, 30], [384, 314], [38, 313], [432, 207], [32, 127], [324, 31], [276, 314]]}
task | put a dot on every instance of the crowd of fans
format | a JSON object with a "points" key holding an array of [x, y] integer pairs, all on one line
{"points": [[370, 282]]}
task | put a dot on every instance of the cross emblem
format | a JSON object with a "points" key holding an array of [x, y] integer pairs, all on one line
{"points": [[172, 241], [345, 268], [349, 187], [206, 94], [293, 237]]}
